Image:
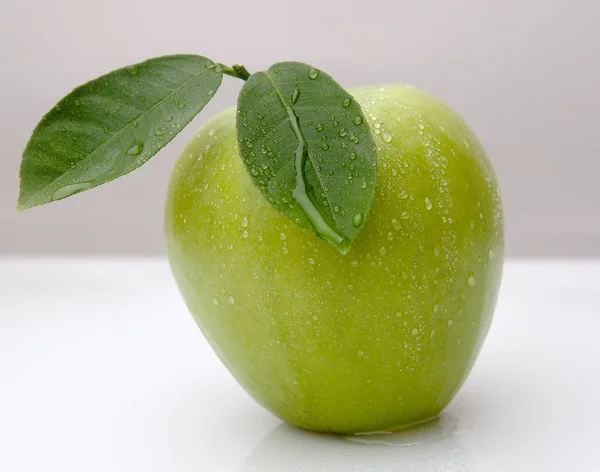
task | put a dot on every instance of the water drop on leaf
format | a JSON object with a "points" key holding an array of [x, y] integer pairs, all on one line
{"points": [[136, 149], [295, 95], [132, 70], [313, 73], [346, 102], [357, 219], [358, 120], [71, 189]]}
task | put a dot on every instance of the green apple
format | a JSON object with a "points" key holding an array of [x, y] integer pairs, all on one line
{"points": [[380, 338]]}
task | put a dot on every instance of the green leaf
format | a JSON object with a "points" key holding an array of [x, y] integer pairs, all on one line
{"points": [[309, 149], [113, 124]]}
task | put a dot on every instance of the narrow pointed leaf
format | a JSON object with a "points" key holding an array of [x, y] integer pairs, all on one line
{"points": [[113, 124], [309, 149]]}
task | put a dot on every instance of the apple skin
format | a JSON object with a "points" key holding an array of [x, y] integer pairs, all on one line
{"points": [[380, 338]]}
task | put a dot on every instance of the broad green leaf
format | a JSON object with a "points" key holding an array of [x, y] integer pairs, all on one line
{"points": [[113, 124], [307, 146]]}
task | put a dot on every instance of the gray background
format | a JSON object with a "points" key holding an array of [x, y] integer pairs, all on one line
{"points": [[524, 73]]}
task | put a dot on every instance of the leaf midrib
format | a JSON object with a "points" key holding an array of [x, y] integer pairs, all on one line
{"points": [[285, 105]]}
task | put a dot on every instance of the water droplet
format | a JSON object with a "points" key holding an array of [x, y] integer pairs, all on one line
{"points": [[471, 280], [405, 215], [136, 123], [428, 203], [71, 189], [450, 322], [295, 95], [414, 332], [313, 73], [382, 251], [336, 209], [352, 156], [136, 149], [357, 219], [133, 70], [249, 144], [396, 224], [245, 234], [159, 132], [387, 138], [245, 222], [311, 261], [254, 172], [231, 300], [403, 194], [215, 302], [319, 127], [357, 121], [282, 236], [390, 236], [360, 353], [364, 184], [343, 132], [325, 146], [346, 102]]}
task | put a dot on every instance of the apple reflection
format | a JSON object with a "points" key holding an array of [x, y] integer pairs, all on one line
{"points": [[431, 447]]}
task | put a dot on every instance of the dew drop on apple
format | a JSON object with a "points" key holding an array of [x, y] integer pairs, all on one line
{"points": [[245, 222], [428, 204], [387, 138], [471, 280], [360, 353], [231, 300], [215, 302]]}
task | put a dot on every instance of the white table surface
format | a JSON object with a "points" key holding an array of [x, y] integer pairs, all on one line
{"points": [[103, 369]]}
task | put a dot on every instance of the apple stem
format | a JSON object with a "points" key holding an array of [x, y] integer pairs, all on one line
{"points": [[237, 70]]}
